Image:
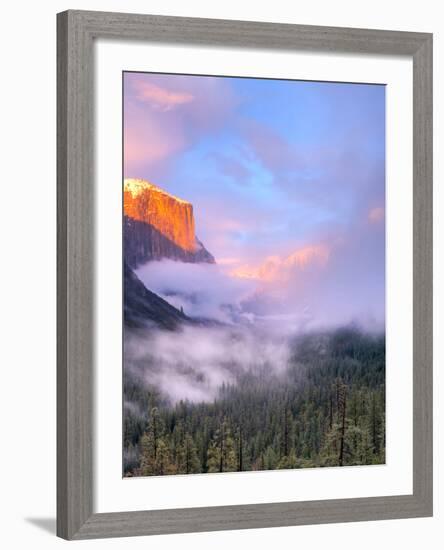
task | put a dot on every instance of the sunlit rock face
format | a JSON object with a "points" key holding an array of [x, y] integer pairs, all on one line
{"points": [[158, 225]]}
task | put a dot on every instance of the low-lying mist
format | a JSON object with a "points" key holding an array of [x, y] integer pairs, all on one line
{"points": [[202, 290], [243, 326], [193, 363], [309, 297]]}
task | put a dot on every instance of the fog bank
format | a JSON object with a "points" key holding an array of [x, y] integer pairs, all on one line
{"points": [[193, 363]]}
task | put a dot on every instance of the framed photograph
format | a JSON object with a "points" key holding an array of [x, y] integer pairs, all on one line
{"points": [[244, 275]]}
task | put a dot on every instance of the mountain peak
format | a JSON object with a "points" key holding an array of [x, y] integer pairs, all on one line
{"points": [[137, 186]]}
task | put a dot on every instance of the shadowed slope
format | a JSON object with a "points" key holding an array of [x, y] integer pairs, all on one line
{"points": [[143, 308], [142, 242]]}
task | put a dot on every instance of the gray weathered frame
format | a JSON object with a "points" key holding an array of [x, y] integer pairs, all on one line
{"points": [[76, 32]]}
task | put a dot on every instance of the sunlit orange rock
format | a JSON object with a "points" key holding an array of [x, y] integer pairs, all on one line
{"points": [[172, 216], [159, 225]]}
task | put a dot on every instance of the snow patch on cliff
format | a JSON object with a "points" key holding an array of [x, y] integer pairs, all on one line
{"points": [[137, 186]]}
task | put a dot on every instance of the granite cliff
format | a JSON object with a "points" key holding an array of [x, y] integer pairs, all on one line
{"points": [[158, 225]]}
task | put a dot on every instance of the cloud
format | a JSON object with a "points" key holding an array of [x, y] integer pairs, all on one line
{"points": [[148, 140], [229, 261], [271, 148], [339, 282], [160, 98], [325, 180], [275, 268], [332, 282], [232, 167], [376, 214], [165, 115], [202, 290]]}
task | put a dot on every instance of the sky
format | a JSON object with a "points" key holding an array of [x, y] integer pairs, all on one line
{"points": [[286, 178]]}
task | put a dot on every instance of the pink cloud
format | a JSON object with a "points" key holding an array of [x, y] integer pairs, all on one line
{"points": [[275, 268], [166, 114], [147, 141], [160, 98], [376, 215]]}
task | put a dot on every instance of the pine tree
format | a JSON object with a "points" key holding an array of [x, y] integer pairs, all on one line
{"points": [[287, 428], [164, 464], [147, 458], [221, 453], [149, 445], [288, 462], [342, 408], [240, 451], [375, 422], [187, 458], [271, 459]]}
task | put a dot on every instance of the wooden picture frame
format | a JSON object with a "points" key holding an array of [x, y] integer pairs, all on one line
{"points": [[76, 32]]}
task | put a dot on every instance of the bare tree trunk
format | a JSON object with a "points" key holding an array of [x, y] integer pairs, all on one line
{"points": [[338, 398], [154, 420], [240, 464], [285, 431], [222, 436], [343, 403]]}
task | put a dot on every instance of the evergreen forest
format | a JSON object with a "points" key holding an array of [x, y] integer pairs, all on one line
{"points": [[327, 409]]}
